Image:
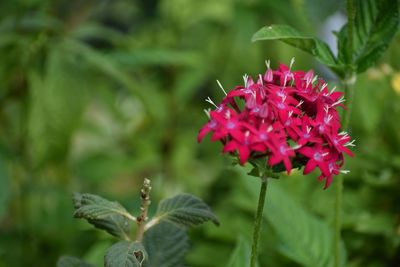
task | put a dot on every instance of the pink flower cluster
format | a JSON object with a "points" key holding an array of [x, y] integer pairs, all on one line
{"points": [[285, 116]]}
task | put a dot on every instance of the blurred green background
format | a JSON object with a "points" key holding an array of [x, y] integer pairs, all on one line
{"points": [[97, 95]]}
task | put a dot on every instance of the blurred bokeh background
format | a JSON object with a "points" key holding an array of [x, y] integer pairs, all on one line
{"points": [[95, 95]]}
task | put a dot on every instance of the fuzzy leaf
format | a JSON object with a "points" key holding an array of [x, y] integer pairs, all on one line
{"points": [[376, 23], [103, 214], [68, 261], [184, 210], [125, 254], [166, 245], [312, 45]]}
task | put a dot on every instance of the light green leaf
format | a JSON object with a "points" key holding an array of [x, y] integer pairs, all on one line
{"points": [[4, 187], [125, 254], [304, 238], [166, 245], [241, 255], [68, 261], [184, 210], [103, 214], [309, 44], [57, 99], [376, 22]]}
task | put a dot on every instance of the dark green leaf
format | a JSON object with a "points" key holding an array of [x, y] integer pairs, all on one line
{"points": [[4, 187], [103, 214], [125, 254], [166, 245], [376, 23], [184, 210], [291, 36], [68, 261]]}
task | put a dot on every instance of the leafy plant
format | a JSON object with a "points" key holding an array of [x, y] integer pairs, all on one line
{"points": [[160, 242]]}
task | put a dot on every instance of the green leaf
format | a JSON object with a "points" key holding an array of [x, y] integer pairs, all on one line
{"points": [[312, 45], [166, 245], [241, 255], [4, 187], [184, 210], [376, 23], [306, 240], [103, 214], [68, 261], [125, 254], [57, 100]]}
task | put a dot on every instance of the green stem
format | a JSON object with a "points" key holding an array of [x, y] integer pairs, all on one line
{"points": [[257, 221], [349, 94]]}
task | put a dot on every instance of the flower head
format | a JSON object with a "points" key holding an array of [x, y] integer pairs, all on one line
{"points": [[288, 117]]}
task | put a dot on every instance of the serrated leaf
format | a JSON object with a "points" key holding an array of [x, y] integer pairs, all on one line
{"points": [[68, 261], [125, 254], [376, 23], [166, 245], [184, 210], [103, 214], [312, 45], [306, 240], [241, 255]]}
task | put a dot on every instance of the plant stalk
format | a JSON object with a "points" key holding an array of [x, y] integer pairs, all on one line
{"points": [[349, 94], [258, 220], [145, 203]]}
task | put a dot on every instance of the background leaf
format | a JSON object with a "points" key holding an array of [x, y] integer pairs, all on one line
{"points": [[166, 245], [184, 210], [312, 45], [241, 255], [125, 254], [306, 239], [376, 22], [68, 261]]}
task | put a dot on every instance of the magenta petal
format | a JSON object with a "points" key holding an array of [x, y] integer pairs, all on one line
{"points": [[310, 166]]}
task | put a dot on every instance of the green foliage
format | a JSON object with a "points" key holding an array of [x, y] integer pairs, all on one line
{"points": [[308, 241], [166, 245], [125, 254], [312, 45], [68, 261], [185, 210], [4, 187], [375, 24], [241, 255]]}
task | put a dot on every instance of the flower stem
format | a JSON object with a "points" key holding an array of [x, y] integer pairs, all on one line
{"points": [[145, 203], [258, 220]]}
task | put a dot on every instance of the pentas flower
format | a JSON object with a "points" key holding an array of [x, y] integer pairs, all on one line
{"points": [[288, 117]]}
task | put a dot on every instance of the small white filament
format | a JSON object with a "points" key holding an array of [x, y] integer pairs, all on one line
{"points": [[222, 88], [208, 99]]}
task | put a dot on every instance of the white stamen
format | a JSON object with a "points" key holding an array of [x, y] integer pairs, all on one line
{"points": [[207, 111], [290, 113], [208, 99], [245, 77], [326, 108], [315, 79], [269, 129], [325, 154], [296, 147], [228, 114], [300, 103], [222, 88], [333, 90], [291, 63], [342, 133], [268, 63], [260, 79], [350, 143], [341, 100], [344, 171], [324, 86], [308, 129]]}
